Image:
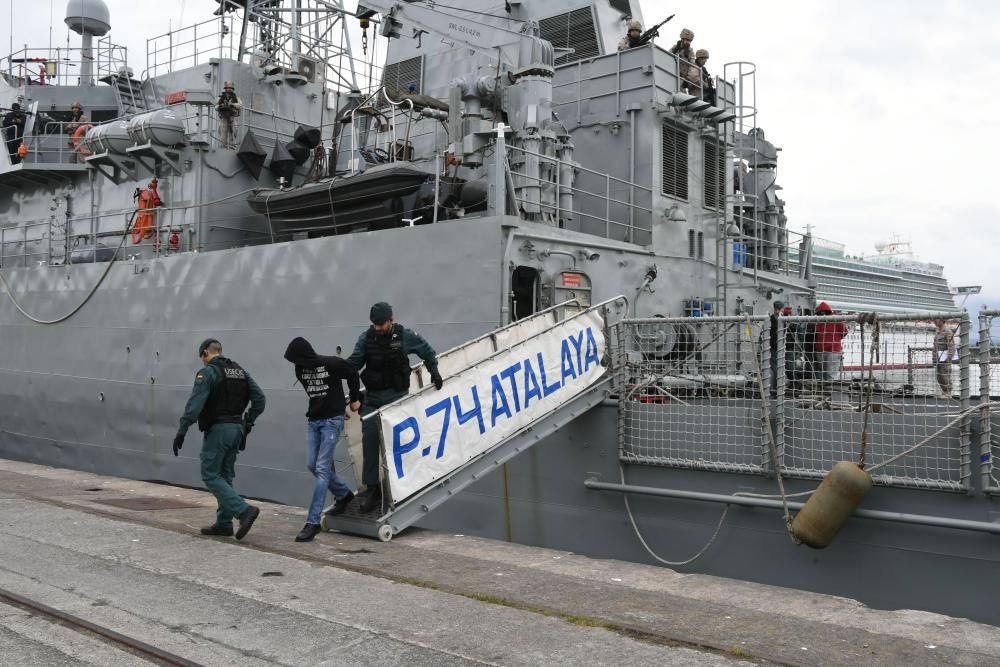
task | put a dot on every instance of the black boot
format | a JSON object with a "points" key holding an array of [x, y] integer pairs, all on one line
{"points": [[224, 529], [246, 518], [309, 531], [341, 505], [372, 500]]}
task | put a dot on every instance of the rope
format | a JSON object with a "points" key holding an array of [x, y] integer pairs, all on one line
{"points": [[649, 550], [772, 445], [93, 290], [872, 320]]}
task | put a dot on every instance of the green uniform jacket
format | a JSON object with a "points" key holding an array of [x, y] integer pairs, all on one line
{"points": [[413, 343], [204, 381]]}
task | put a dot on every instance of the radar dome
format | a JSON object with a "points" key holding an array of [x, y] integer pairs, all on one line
{"points": [[880, 246], [88, 17]]}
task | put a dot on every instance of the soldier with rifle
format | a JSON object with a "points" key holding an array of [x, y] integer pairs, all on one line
{"points": [[636, 37]]}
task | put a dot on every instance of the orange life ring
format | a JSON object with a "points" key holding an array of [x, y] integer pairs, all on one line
{"points": [[78, 138]]}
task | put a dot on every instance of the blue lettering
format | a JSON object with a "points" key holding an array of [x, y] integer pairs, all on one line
{"points": [[508, 374], [568, 370], [578, 346], [500, 407], [398, 448], [476, 412], [445, 406], [546, 388], [593, 355], [531, 388]]}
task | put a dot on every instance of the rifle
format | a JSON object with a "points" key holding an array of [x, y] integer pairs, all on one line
{"points": [[645, 37]]}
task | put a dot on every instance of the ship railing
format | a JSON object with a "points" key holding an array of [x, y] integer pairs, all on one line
{"points": [[989, 390], [762, 246], [61, 66], [605, 205], [193, 45], [82, 239], [708, 393], [52, 142]]}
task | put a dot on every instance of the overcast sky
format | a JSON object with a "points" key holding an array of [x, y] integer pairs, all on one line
{"points": [[888, 112]]}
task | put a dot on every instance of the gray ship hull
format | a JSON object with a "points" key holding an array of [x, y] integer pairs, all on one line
{"points": [[103, 392]]}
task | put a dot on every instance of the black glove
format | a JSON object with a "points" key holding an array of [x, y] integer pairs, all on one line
{"points": [[436, 379], [178, 443]]}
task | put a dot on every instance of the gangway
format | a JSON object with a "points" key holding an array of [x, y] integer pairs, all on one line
{"points": [[503, 393]]}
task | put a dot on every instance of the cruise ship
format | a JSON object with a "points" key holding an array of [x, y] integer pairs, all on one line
{"points": [[892, 280]]}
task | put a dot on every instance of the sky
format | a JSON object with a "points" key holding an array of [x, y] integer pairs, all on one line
{"points": [[887, 113]]}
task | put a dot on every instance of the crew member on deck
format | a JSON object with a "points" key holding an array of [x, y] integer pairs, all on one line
{"points": [[383, 352], [707, 85], [689, 73], [13, 131], [222, 390], [631, 38], [77, 121], [229, 108]]}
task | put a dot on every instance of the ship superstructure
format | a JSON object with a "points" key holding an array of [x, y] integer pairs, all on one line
{"points": [[507, 165]]}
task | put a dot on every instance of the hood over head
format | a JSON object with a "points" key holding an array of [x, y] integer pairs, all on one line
{"points": [[301, 353], [823, 308]]}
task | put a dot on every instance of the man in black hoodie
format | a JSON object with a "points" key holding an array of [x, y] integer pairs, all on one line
{"points": [[321, 378]]}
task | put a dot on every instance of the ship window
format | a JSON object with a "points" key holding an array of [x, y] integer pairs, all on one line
{"points": [[400, 76], [715, 174], [524, 292], [690, 243], [675, 162], [572, 30], [701, 245]]}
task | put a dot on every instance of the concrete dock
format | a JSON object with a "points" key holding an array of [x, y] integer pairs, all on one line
{"points": [[127, 556]]}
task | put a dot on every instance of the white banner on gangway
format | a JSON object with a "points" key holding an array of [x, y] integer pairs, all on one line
{"points": [[436, 432]]}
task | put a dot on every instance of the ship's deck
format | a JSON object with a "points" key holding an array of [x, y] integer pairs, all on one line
{"points": [[127, 555]]}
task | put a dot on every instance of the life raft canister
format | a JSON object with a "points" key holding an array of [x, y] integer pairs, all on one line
{"points": [[831, 505]]}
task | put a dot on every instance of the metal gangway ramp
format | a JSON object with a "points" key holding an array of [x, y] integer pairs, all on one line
{"points": [[503, 393]]}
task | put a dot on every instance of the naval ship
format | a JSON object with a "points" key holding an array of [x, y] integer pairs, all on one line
{"points": [[518, 188]]}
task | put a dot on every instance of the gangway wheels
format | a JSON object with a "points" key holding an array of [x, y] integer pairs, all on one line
{"points": [[383, 531]]}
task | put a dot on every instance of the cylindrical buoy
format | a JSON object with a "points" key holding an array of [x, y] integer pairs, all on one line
{"points": [[833, 502]]}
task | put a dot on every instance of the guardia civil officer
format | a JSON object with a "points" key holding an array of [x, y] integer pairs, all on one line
{"points": [[222, 390], [382, 355]]}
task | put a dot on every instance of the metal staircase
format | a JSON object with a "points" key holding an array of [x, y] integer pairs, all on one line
{"points": [[128, 93], [521, 340]]}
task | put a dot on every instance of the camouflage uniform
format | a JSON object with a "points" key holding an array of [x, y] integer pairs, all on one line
{"points": [[688, 71], [625, 41]]}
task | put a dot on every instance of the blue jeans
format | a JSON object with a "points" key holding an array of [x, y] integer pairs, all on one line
{"points": [[323, 435]]}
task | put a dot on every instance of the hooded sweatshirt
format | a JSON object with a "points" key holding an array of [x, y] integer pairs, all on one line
{"points": [[829, 334], [321, 378]]}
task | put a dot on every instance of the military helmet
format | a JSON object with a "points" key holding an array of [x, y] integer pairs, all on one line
{"points": [[701, 53], [228, 84], [687, 34], [634, 25]]}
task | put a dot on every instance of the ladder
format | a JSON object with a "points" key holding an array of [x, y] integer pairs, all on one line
{"points": [[474, 425], [128, 93]]}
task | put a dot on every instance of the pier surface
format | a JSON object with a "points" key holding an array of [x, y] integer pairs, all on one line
{"points": [[127, 558]]}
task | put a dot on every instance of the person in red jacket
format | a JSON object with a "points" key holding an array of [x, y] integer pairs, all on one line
{"points": [[828, 348]]}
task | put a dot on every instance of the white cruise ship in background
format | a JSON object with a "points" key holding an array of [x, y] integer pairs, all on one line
{"points": [[890, 281]]}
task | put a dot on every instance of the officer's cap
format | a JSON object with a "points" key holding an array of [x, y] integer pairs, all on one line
{"points": [[687, 34], [380, 313], [204, 345]]}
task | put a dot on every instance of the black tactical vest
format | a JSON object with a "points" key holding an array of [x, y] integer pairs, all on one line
{"points": [[386, 363], [229, 397]]}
